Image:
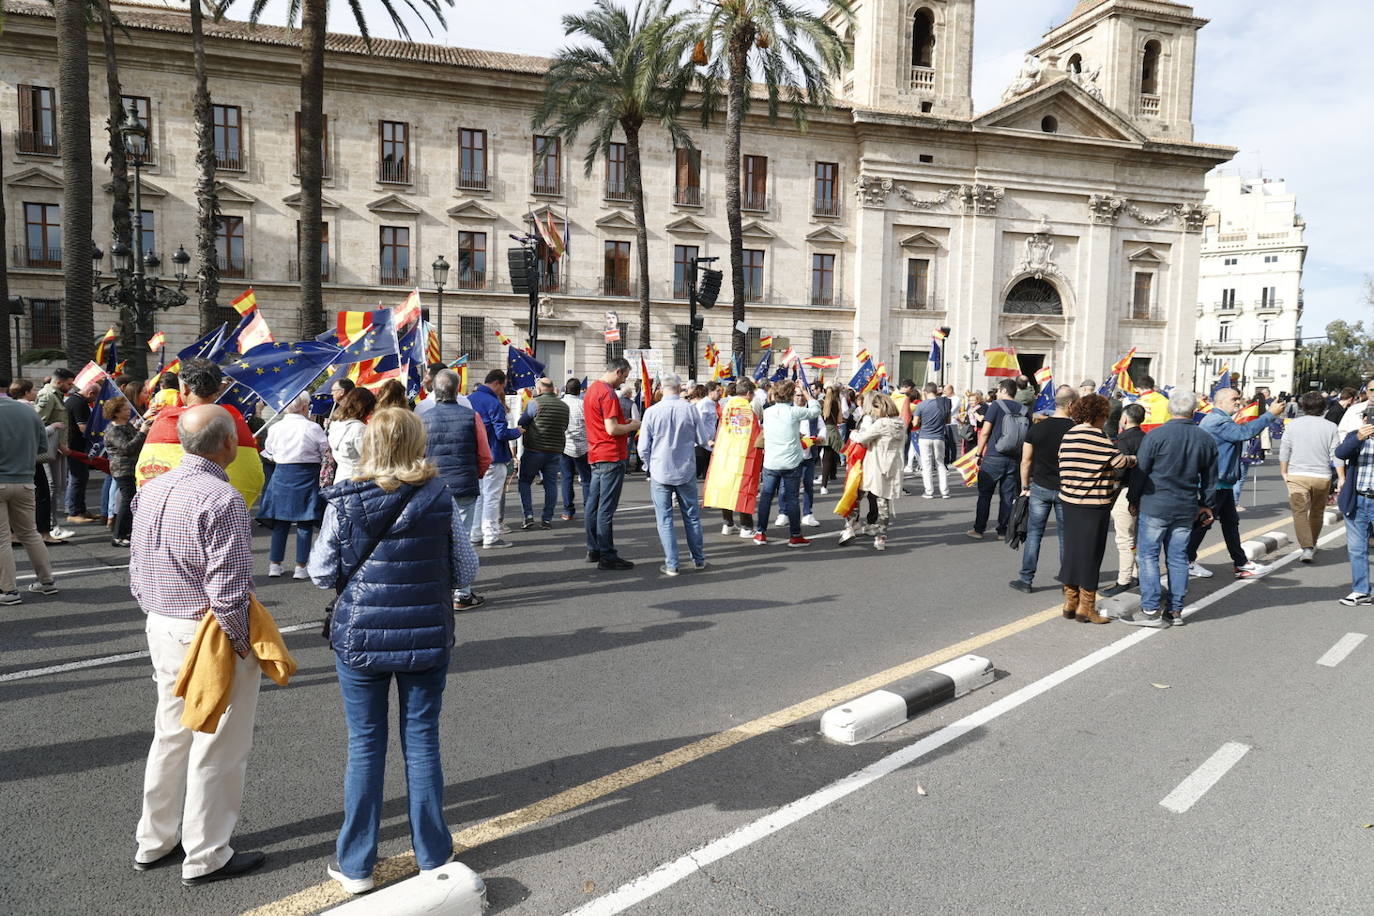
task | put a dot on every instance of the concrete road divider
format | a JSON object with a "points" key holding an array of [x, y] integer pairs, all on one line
{"points": [[876, 712], [449, 890], [1265, 544], [1333, 516]]}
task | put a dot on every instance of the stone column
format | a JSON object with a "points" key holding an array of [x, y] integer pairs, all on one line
{"points": [[872, 267], [1095, 337]]}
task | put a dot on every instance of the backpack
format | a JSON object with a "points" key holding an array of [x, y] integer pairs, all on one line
{"points": [[1014, 427]]}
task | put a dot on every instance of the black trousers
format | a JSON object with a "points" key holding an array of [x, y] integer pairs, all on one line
{"points": [[124, 515], [42, 501], [1225, 512]]}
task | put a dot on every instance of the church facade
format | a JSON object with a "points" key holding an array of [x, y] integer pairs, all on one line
{"points": [[1066, 221]]}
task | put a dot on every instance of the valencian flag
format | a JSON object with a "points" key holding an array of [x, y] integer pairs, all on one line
{"points": [[277, 372], [1001, 361], [432, 351], [522, 370], [853, 479], [460, 365], [967, 466], [246, 302], [106, 352], [732, 479], [1044, 402]]}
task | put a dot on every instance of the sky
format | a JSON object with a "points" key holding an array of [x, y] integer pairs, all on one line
{"points": [[1290, 84]]}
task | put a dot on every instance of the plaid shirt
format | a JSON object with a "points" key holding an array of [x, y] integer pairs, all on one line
{"points": [[192, 548], [1364, 467]]}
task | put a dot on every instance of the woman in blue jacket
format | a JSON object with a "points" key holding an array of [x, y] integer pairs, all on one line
{"points": [[391, 548]]}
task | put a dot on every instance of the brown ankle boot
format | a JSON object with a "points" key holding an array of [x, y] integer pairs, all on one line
{"points": [[1087, 608], [1070, 601]]}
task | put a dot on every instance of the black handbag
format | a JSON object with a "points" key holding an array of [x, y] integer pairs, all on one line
{"points": [[342, 581]]}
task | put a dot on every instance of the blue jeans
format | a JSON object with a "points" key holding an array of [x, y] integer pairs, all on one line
{"points": [[304, 532], [1171, 536], [996, 474], [1357, 534], [574, 468], [808, 485], [690, 506], [366, 696], [1041, 500], [533, 463], [603, 496], [790, 481], [464, 507], [77, 476], [109, 497]]}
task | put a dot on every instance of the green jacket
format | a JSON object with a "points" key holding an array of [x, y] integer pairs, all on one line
{"points": [[545, 421], [50, 406]]}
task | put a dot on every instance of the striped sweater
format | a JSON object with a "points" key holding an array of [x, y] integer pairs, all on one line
{"points": [[1088, 463]]}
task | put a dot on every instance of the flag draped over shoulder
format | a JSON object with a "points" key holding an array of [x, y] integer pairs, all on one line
{"points": [[277, 372], [162, 451], [732, 479], [1001, 361], [853, 479]]}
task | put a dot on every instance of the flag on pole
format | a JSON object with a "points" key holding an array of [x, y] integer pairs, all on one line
{"points": [[203, 347], [765, 364], [364, 336], [502, 339], [277, 372], [863, 356], [1001, 361], [647, 381], [1247, 413], [408, 311], [157, 342], [1044, 401], [554, 238], [788, 356], [967, 466], [1223, 381], [822, 362], [936, 359], [246, 302], [937, 334], [252, 331], [880, 380], [766, 341], [460, 365], [432, 352], [106, 352], [866, 376], [522, 370], [89, 375]]}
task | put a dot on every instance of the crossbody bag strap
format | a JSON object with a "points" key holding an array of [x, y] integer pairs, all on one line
{"points": [[343, 580]]}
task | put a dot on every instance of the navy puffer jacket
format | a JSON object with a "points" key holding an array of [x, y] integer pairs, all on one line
{"points": [[452, 446], [396, 613]]}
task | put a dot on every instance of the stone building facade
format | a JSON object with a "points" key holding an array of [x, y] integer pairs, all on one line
{"points": [[1250, 283], [1066, 221]]}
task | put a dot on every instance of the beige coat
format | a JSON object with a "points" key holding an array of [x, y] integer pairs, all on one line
{"points": [[883, 463]]}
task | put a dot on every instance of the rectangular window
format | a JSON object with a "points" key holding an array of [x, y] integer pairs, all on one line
{"points": [[37, 121], [615, 278], [753, 274], [324, 145], [45, 323], [616, 187], [143, 106], [1224, 332], [472, 260], [754, 183], [394, 154], [42, 235], [682, 268], [820, 342], [229, 250], [1271, 259], [1263, 368], [1228, 299], [616, 349], [472, 159], [822, 279], [1140, 297], [827, 202], [688, 177], [395, 256], [472, 337], [917, 283], [1269, 297], [1229, 262], [1264, 330], [548, 165], [682, 353], [149, 224], [295, 271], [228, 136]]}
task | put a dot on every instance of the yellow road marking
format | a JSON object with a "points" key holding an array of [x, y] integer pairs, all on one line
{"points": [[328, 893]]}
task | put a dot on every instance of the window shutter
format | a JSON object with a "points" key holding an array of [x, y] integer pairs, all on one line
{"points": [[26, 107]]}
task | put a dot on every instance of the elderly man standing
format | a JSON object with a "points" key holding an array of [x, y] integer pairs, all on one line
{"points": [[669, 436], [191, 555], [22, 440], [52, 410], [456, 441], [545, 422]]}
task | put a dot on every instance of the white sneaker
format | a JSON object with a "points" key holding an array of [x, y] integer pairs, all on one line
{"points": [[300, 573], [780, 522], [847, 535], [1253, 570], [825, 491], [61, 534], [274, 570], [747, 533], [1357, 599], [729, 529], [1307, 555], [927, 496], [1195, 571], [880, 543], [350, 885], [816, 479], [810, 521], [870, 530]]}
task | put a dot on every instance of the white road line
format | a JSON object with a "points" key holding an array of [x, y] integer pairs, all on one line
{"points": [[1186, 794], [670, 873], [116, 659], [1343, 647], [75, 572]]}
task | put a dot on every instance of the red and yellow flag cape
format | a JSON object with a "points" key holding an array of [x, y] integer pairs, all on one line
{"points": [[162, 452], [732, 480]]}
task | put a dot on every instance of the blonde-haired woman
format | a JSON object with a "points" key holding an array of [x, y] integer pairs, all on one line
{"points": [[883, 434], [393, 550]]}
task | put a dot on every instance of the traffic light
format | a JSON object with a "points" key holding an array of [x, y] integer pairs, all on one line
{"points": [[520, 262], [709, 288]]}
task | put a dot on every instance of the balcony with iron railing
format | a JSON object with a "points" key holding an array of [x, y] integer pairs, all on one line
{"points": [[230, 160], [825, 298], [547, 185], [1149, 105], [618, 285], [753, 292], [616, 190], [233, 266], [1269, 306], [1230, 307], [293, 270], [752, 200], [922, 78], [474, 180], [1225, 346], [392, 275], [917, 301], [393, 171], [37, 256], [326, 169], [1139, 311], [37, 143], [471, 279], [688, 196], [825, 206]]}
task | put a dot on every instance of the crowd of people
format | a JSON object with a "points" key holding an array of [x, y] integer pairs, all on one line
{"points": [[393, 499]]}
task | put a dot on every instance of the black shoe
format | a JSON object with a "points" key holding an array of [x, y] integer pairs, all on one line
{"points": [[468, 603], [615, 563], [1021, 585], [240, 863], [528, 523], [175, 854], [546, 526], [1118, 588], [593, 556]]}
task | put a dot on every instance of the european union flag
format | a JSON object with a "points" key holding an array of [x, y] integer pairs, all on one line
{"points": [[278, 372], [1044, 402], [780, 374], [936, 358], [241, 399], [97, 424], [206, 345], [865, 375], [375, 341], [522, 370], [766, 363]]}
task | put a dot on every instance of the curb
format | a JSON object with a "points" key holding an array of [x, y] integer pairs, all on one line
{"points": [[449, 890], [876, 712]]}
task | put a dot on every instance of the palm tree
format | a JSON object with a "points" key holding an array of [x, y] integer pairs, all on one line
{"points": [[795, 53], [313, 16], [207, 204], [73, 80], [119, 180], [634, 72]]}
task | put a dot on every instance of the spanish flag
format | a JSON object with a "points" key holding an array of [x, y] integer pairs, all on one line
{"points": [[822, 362], [853, 479], [765, 341], [1247, 413], [1002, 361], [503, 339], [162, 452], [967, 466], [863, 356], [157, 342], [408, 311], [246, 302], [554, 238], [105, 349], [732, 480]]}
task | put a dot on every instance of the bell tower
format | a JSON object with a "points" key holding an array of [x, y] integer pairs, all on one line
{"points": [[912, 56]]}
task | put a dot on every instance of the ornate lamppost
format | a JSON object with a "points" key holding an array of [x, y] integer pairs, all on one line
{"points": [[440, 269]]}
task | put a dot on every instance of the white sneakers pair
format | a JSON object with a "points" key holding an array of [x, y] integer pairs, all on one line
{"points": [[808, 521], [274, 571]]}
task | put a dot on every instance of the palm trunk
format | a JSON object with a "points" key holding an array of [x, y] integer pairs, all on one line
{"points": [[734, 124], [634, 177], [313, 21], [8, 346], [207, 207], [74, 85], [129, 343]]}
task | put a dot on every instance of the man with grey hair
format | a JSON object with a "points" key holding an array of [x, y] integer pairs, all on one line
{"points": [[669, 435], [456, 442], [1176, 483], [1040, 482], [545, 422], [191, 554]]}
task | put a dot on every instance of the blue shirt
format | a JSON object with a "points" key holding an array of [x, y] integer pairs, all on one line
{"points": [[782, 450], [933, 415], [709, 419], [1177, 471], [1229, 436], [669, 435]]}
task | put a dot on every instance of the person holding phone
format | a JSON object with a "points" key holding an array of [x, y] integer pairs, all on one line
{"points": [[1357, 503]]}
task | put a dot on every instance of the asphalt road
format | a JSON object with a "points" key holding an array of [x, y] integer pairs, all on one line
{"points": [[570, 680]]}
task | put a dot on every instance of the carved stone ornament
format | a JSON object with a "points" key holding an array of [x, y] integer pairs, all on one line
{"points": [[1087, 80], [1038, 260], [1026, 78], [928, 203], [545, 307], [981, 199], [1155, 219], [1193, 216], [871, 190], [1104, 208]]}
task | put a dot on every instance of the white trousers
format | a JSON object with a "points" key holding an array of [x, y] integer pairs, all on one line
{"points": [[192, 778], [933, 459], [1124, 523], [486, 515]]}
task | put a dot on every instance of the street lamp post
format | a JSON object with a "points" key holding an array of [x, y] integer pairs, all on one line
{"points": [[972, 357], [440, 267]]}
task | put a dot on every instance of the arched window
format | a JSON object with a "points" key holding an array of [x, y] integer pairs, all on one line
{"points": [[1049, 124], [1149, 69], [1075, 64], [1033, 297], [923, 38]]}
